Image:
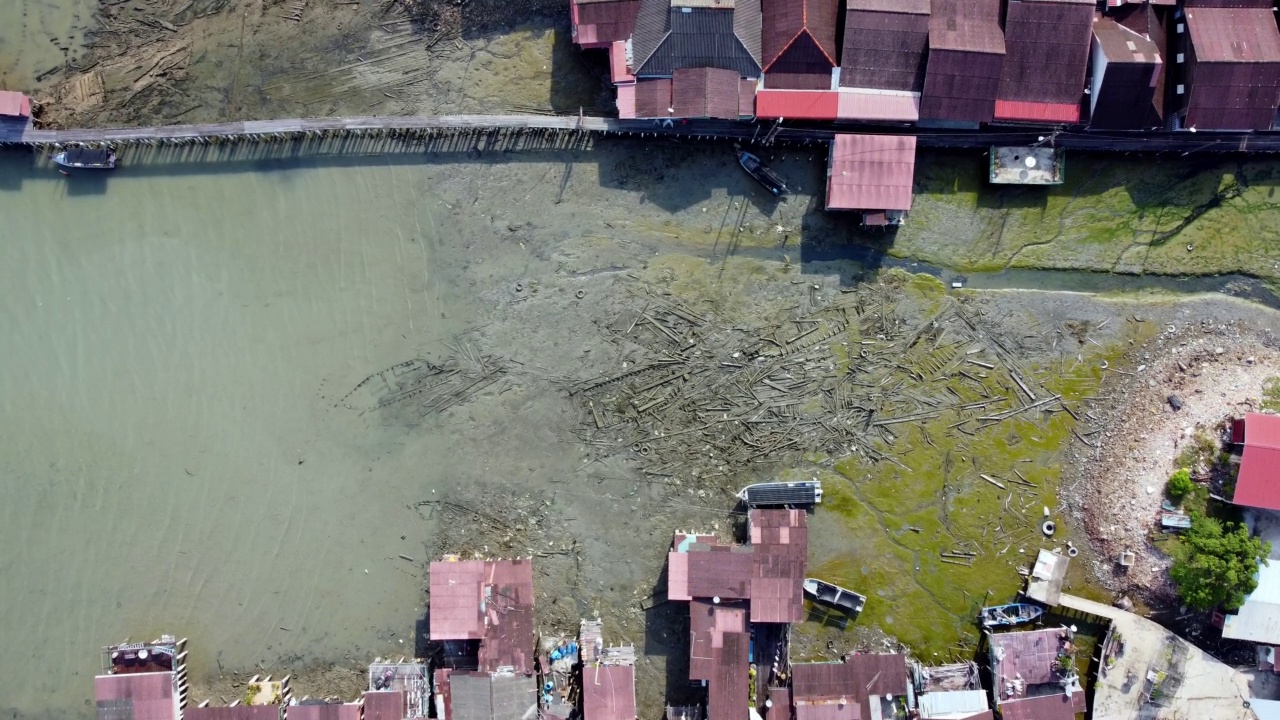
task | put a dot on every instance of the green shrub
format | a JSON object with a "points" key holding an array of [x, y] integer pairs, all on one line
{"points": [[1214, 564], [1180, 484]]}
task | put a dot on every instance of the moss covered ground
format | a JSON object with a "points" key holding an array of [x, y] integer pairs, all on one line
{"points": [[1131, 215]]}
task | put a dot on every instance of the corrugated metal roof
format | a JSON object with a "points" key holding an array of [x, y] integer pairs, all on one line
{"points": [[705, 93], [653, 98], [456, 597], [509, 633], [720, 571], [748, 26], [324, 711], [968, 25], [627, 101], [14, 104], [700, 37], [796, 104], [239, 712], [1229, 4], [780, 703], [880, 105], [780, 539], [728, 689], [914, 7], [1046, 707], [514, 697], [709, 623], [884, 50], [609, 692], [833, 710], [879, 674], [1121, 45], [1221, 35], [961, 86], [1047, 51], [746, 98], [1258, 620], [786, 22], [871, 172], [385, 704], [619, 74], [798, 81], [470, 696], [1028, 656], [1028, 111], [815, 682], [600, 23], [1258, 484], [135, 696], [956, 704], [651, 28]]}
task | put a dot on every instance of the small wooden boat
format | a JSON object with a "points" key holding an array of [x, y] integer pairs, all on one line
{"points": [[762, 174], [83, 158], [808, 492], [1008, 615], [834, 596]]}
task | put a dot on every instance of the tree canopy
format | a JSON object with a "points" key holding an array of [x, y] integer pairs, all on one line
{"points": [[1215, 565]]}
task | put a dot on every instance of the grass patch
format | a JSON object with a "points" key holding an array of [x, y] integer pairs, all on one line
{"points": [[1271, 394]]}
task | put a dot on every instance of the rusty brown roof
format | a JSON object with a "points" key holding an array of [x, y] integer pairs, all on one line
{"points": [[705, 93], [1119, 44], [239, 712], [1233, 35], [653, 98], [729, 686], [914, 7], [324, 711], [456, 596], [968, 25], [135, 696], [780, 707], [383, 705], [879, 674], [816, 682], [1029, 655], [508, 634], [609, 692], [719, 571], [709, 623], [841, 691], [871, 172], [1046, 707], [884, 50], [780, 539], [603, 22], [796, 32], [1047, 50]]}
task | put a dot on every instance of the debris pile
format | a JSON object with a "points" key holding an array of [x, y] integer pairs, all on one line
{"points": [[707, 399], [427, 388]]}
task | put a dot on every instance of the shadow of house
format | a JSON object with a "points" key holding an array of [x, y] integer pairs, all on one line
{"points": [[666, 634]]}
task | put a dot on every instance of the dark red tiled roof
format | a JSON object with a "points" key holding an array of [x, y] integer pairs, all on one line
{"points": [[780, 539], [1258, 484], [239, 712], [602, 22], [1030, 111], [1046, 707], [709, 624], [728, 690], [138, 696], [1235, 79], [508, 634], [884, 50], [871, 172], [705, 93], [966, 55], [383, 705], [719, 571], [609, 692], [1047, 50], [653, 98], [456, 597], [799, 35], [325, 711]]}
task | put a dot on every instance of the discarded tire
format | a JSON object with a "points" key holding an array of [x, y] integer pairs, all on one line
{"points": [[1072, 552], [580, 294], [1049, 528]]}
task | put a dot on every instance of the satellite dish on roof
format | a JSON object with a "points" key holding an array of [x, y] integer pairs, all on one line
{"points": [[1030, 162]]}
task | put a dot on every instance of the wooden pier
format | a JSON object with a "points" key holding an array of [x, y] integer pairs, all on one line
{"points": [[412, 129]]}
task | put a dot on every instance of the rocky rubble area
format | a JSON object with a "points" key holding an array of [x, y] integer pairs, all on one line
{"points": [[1180, 386]]}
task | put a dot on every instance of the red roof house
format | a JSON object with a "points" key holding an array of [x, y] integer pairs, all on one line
{"points": [[709, 623], [705, 93], [1232, 71], [384, 705], [871, 173], [1047, 50], [1025, 670], [678, 563], [457, 589], [966, 56], [598, 23], [884, 55], [324, 711], [609, 692], [1258, 484], [486, 600], [233, 712], [14, 104], [730, 685], [780, 539], [846, 691], [799, 43], [797, 104], [136, 696]]}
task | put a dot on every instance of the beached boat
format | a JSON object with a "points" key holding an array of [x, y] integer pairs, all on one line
{"points": [[834, 595], [1174, 522], [1008, 615], [83, 158], [762, 174], [808, 492]]}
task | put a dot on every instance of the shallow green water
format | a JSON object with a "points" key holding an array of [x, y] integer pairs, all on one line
{"points": [[34, 35], [174, 346]]}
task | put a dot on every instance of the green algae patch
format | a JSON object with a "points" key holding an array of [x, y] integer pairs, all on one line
{"points": [[1111, 214]]}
